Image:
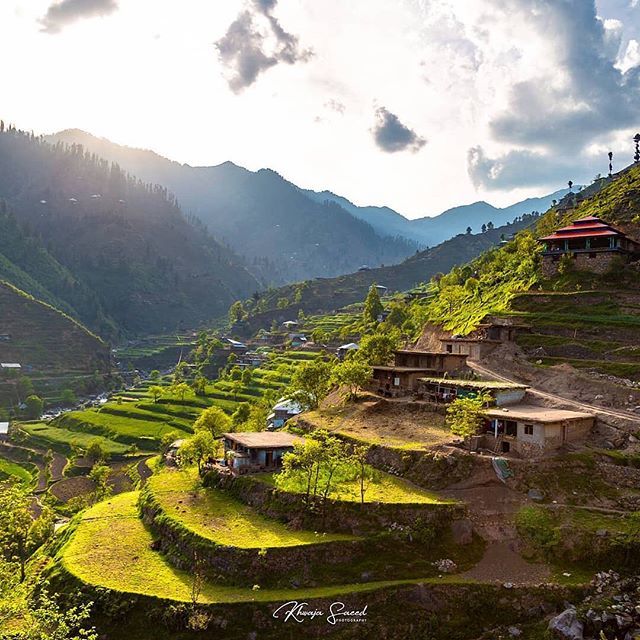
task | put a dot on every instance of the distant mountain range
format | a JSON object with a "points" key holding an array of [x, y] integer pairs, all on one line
{"points": [[431, 231], [286, 233]]}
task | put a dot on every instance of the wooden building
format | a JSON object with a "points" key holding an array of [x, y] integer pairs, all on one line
{"points": [[592, 244], [445, 390]]}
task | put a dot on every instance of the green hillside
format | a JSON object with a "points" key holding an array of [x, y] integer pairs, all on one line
{"points": [[112, 251]]}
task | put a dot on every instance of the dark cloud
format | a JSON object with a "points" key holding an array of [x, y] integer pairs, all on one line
{"points": [[63, 13], [249, 48], [554, 117], [391, 135]]}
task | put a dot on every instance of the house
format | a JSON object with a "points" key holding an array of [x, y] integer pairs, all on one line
{"points": [[445, 390], [4, 431], [297, 339], [403, 377], [10, 366], [281, 412], [531, 431], [5, 337], [381, 289], [484, 339], [591, 243], [290, 324], [252, 452], [344, 349], [234, 345]]}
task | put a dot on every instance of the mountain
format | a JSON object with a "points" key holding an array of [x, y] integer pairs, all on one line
{"points": [[324, 295], [430, 231], [105, 247], [283, 234]]}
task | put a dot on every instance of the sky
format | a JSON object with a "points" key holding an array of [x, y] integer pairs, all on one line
{"points": [[419, 105]]}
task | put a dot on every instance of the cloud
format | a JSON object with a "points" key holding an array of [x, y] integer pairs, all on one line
{"points": [[586, 95], [256, 41], [335, 105], [391, 135], [63, 13], [524, 168]]}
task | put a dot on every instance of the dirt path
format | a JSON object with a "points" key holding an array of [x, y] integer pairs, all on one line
{"points": [[492, 506], [490, 373]]}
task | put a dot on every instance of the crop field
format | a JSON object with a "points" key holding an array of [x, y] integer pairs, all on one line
{"points": [[14, 471], [216, 516], [111, 548], [134, 418]]}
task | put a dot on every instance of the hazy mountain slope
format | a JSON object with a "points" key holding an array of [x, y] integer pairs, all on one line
{"points": [[283, 233], [324, 295], [126, 242]]}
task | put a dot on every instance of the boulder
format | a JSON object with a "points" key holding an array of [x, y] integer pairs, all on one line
{"points": [[566, 626], [462, 531]]}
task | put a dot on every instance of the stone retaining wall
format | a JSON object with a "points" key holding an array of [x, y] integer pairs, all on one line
{"points": [[275, 566], [334, 515]]}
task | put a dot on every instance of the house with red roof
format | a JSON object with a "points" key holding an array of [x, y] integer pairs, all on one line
{"points": [[591, 242]]}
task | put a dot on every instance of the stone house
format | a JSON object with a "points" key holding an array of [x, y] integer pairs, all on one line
{"points": [[531, 431], [591, 243]]}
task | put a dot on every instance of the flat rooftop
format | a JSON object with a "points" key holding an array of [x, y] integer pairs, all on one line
{"points": [[402, 369], [264, 439], [474, 384], [429, 353], [536, 414]]}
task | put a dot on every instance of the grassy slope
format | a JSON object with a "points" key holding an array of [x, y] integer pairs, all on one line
{"points": [[213, 515], [111, 548]]}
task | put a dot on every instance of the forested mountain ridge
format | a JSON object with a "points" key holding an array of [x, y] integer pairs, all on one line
{"points": [[283, 234], [113, 251], [324, 295]]}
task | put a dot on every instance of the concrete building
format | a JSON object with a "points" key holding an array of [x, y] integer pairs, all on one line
{"points": [[252, 452], [446, 390], [484, 339], [281, 412], [591, 243], [344, 349], [531, 431]]}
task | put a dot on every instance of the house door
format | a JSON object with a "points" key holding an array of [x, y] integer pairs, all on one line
{"points": [[269, 459], [506, 447]]}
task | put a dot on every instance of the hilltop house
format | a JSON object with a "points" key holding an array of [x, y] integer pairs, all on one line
{"points": [[484, 339], [252, 452], [403, 376], [592, 244], [344, 349], [531, 431]]}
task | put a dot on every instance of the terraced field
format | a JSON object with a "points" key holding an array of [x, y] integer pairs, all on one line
{"points": [[595, 329], [111, 548], [215, 516], [135, 419]]}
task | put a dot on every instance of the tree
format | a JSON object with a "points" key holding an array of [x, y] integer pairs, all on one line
{"points": [[241, 415], [469, 230], [213, 420], [199, 385], [353, 374], [68, 397], [466, 415], [95, 451], [167, 440], [24, 387], [154, 375], [236, 312], [483, 228], [34, 407], [489, 225], [247, 375], [156, 392], [365, 474], [181, 389], [310, 383], [100, 474], [378, 348], [372, 305], [197, 449], [20, 533]]}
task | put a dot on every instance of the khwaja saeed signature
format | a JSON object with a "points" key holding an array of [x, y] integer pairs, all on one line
{"points": [[294, 611]]}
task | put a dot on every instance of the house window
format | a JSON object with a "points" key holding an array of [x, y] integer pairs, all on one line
{"points": [[528, 429], [449, 348], [511, 428]]}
